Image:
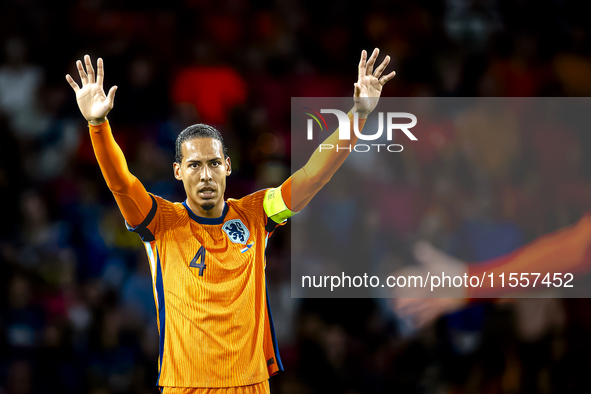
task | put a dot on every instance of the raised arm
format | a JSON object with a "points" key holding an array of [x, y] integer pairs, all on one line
{"points": [[562, 251], [131, 196], [306, 182]]}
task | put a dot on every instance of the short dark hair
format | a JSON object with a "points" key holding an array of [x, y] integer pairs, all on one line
{"points": [[197, 131]]}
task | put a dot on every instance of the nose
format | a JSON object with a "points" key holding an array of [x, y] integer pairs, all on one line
{"points": [[205, 174]]}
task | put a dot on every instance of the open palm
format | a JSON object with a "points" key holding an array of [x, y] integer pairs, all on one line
{"points": [[92, 100], [370, 83]]}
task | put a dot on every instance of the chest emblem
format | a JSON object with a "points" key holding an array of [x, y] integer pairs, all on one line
{"points": [[237, 231]]}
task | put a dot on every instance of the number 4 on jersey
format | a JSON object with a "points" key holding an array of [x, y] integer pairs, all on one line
{"points": [[201, 266]]}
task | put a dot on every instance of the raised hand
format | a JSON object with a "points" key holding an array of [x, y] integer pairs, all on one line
{"points": [[368, 87], [420, 306], [92, 101]]}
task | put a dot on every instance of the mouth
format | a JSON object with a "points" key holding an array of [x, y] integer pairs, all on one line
{"points": [[207, 192]]}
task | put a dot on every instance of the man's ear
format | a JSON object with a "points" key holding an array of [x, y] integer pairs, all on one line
{"points": [[228, 166], [176, 167]]}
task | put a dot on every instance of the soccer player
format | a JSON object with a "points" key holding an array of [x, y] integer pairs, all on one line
{"points": [[206, 254]]}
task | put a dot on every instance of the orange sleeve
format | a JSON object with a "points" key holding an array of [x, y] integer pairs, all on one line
{"points": [[566, 250], [132, 198], [319, 169]]}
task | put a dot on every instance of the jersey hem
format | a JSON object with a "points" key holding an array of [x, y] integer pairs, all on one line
{"points": [[212, 387]]}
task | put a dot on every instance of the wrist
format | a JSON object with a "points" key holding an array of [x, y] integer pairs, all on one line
{"points": [[96, 122], [361, 114]]}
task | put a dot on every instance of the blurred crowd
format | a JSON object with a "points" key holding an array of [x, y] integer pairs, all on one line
{"points": [[77, 312]]}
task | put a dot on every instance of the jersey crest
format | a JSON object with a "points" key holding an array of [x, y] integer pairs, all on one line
{"points": [[237, 231]]}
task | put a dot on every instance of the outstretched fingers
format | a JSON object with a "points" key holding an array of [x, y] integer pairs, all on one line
{"points": [[111, 96], [100, 72], [72, 83], [362, 64], [372, 61], [378, 72], [386, 78], [89, 69], [82, 73]]}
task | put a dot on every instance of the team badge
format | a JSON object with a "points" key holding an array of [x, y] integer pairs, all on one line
{"points": [[237, 231]]}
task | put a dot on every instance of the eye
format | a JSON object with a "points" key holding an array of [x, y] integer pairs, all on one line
{"points": [[193, 165], [216, 164]]}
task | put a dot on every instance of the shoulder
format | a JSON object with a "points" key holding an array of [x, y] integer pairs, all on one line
{"points": [[249, 207], [162, 202], [250, 201], [165, 203], [163, 215]]}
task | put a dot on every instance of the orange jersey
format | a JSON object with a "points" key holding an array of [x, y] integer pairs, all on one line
{"points": [[215, 325]]}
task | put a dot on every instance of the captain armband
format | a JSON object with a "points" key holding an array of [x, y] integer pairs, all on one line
{"points": [[275, 207]]}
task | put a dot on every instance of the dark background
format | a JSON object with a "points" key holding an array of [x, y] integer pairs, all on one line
{"points": [[77, 313]]}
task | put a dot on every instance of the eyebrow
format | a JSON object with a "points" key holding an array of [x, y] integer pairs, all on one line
{"points": [[200, 161]]}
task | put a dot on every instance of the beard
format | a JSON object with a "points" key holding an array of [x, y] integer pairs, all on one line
{"points": [[207, 206]]}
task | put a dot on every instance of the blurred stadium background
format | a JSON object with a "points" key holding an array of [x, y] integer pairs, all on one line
{"points": [[77, 312]]}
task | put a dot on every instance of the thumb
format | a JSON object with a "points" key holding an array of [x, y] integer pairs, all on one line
{"points": [[357, 92], [111, 95]]}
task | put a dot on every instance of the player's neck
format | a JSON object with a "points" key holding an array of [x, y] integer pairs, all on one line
{"points": [[212, 213]]}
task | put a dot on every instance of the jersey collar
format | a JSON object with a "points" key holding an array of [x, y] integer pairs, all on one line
{"points": [[202, 220]]}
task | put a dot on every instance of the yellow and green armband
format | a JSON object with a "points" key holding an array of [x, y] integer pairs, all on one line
{"points": [[275, 207]]}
